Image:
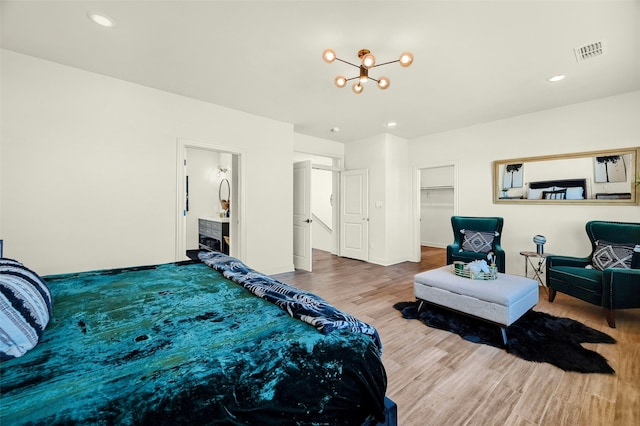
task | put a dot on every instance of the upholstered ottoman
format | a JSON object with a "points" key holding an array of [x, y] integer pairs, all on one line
{"points": [[501, 301]]}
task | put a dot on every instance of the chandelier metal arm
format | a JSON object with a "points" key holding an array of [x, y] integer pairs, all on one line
{"points": [[349, 63], [385, 63], [358, 77]]}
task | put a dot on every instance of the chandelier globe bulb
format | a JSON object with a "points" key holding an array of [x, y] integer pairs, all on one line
{"points": [[368, 61], [357, 88], [383, 83], [340, 81], [329, 55], [406, 59]]}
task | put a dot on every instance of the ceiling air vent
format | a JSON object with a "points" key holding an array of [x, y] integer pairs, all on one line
{"points": [[589, 51]]}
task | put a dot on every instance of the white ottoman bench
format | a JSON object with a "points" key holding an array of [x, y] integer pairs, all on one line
{"points": [[501, 301]]}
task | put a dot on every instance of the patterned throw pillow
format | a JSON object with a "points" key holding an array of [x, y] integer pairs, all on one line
{"points": [[559, 194], [476, 241], [25, 309], [612, 255]]}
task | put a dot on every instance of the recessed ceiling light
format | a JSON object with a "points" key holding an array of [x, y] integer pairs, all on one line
{"points": [[391, 124], [555, 78], [101, 20]]}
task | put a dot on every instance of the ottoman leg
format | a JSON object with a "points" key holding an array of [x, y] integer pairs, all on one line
{"points": [[504, 335]]}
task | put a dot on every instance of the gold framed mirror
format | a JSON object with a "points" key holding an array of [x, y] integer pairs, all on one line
{"points": [[606, 177]]}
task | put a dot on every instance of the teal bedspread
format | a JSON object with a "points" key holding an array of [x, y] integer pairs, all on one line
{"points": [[180, 344]]}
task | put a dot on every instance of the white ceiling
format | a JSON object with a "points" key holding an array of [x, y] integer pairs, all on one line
{"points": [[475, 61]]}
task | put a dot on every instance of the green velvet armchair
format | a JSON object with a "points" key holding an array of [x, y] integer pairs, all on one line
{"points": [[609, 276], [481, 236]]}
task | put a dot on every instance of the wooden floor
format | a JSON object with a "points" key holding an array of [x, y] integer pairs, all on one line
{"points": [[436, 378]]}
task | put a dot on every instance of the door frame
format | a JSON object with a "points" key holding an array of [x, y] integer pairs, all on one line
{"points": [[416, 253], [336, 168], [336, 171], [238, 249]]}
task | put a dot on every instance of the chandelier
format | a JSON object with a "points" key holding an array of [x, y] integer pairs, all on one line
{"points": [[367, 61]]}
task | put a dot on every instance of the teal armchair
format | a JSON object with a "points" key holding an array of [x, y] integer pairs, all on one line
{"points": [[606, 284], [482, 235]]}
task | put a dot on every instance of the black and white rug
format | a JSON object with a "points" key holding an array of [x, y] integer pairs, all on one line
{"points": [[536, 336]]}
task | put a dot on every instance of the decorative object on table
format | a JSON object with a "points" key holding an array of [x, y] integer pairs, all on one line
{"points": [[612, 287], [476, 270], [539, 240], [493, 269], [367, 61], [536, 336]]}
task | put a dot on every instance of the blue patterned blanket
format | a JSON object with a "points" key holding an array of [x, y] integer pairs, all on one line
{"points": [[179, 344], [299, 304]]}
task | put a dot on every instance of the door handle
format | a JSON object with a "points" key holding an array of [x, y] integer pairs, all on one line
{"points": [[308, 220]]}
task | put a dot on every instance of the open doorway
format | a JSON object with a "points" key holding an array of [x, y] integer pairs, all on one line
{"points": [[436, 194], [324, 202], [209, 200]]}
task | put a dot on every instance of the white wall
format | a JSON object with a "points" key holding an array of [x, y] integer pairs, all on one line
{"points": [[89, 170], [601, 124], [386, 158], [398, 195], [318, 146]]}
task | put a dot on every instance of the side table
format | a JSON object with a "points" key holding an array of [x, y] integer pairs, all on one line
{"points": [[538, 270]]}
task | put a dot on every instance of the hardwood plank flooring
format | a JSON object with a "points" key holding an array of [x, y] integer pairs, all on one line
{"points": [[436, 378]]}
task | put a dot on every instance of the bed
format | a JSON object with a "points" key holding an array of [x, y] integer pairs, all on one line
{"points": [[190, 343], [562, 189]]}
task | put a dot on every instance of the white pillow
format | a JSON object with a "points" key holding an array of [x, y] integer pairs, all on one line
{"points": [[575, 193], [536, 194]]}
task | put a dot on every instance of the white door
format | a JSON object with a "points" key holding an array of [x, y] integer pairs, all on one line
{"points": [[354, 214], [302, 257]]}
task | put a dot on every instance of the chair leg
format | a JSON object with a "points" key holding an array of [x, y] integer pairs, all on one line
{"points": [[552, 295], [611, 317]]}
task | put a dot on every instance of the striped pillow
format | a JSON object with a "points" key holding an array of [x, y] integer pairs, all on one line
{"points": [[25, 309]]}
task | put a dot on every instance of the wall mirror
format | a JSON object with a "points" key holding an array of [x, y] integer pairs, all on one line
{"points": [[224, 192], [608, 177]]}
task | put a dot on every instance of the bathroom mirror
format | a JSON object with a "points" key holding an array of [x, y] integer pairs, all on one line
{"points": [[607, 177], [224, 191]]}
